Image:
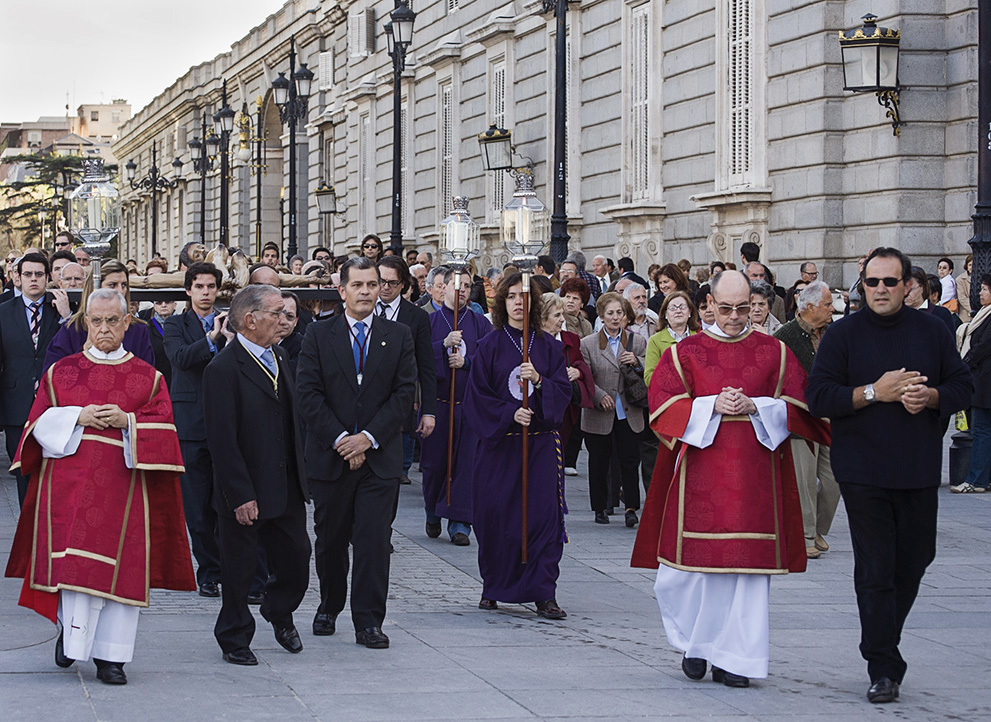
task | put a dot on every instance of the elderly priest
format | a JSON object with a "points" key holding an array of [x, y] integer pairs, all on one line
{"points": [[102, 521]]}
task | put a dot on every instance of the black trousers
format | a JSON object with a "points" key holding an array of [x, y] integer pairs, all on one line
{"points": [[649, 444], [12, 437], [894, 540], [287, 546], [197, 505], [357, 508], [600, 451]]}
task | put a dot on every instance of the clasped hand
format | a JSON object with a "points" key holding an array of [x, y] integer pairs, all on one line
{"points": [[908, 387], [102, 416], [733, 402], [353, 448]]}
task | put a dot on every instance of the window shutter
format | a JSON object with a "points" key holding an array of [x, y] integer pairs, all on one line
{"points": [[366, 197], [498, 116], [639, 95], [452, 5], [325, 71], [361, 33], [446, 150], [740, 89]]}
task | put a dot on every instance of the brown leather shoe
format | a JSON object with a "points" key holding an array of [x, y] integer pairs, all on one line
{"points": [[812, 552], [821, 544], [488, 604], [550, 610]]}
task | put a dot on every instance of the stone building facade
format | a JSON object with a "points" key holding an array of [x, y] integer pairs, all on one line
{"points": [[693, 126]]}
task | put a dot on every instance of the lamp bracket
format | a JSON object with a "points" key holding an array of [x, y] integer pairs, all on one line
{"points": [[525, 263], [889, 99]]}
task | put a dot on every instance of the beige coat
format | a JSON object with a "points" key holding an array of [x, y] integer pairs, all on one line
{"points": [[609, 382]]}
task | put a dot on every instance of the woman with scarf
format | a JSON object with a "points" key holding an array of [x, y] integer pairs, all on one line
{"points": [[975, 348]]}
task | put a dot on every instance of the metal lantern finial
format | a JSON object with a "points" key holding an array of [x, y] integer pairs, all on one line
{"points": [[326, 199], [459, 235], [497, 148], [94, 213], [525, 222]]}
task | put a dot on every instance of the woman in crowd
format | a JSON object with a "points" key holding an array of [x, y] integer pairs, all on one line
{"points": [[296, 265], [975, 347], [493, 406], [371, 247], [963, 289], [761, 298], [791, 298], [575, 294], [579, 374], [613, 422], [678, 320], [71, 338], [669, 279], [292, 342], [948, 285]]}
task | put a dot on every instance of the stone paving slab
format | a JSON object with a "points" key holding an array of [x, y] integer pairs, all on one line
{"points": [[449, 660]]}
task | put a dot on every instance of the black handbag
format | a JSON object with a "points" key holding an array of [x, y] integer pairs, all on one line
{"points": [[634, 387]]}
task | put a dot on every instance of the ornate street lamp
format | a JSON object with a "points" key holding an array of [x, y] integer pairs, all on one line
{"points": [[155, 182], [327, 200], [223, 125], [94, 213], [203, 151], [870, 64], [525, 227], [398, 35], [981, 241], [292, 97], [246, 137], [559, 219], [497, 148]]}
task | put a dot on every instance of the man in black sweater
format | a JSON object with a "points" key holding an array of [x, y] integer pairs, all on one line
{"points": [[886, 377]]}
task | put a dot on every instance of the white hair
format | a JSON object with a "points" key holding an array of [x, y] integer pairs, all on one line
{"points": [[631, 289], [107, 294], [598, 258], [416, 267], [811, 295]]}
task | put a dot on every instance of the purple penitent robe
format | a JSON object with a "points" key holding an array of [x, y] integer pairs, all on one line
{"points": [[433, 449], [492, 397]]}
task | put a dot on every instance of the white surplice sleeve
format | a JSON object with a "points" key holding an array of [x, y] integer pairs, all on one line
{"points": [[57, 432], [703, 423], [771, 421]]}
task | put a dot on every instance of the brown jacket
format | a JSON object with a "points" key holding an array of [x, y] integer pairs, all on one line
{"points": [[609, 381]]}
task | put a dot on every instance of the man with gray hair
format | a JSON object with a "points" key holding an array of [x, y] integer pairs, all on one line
{"points": [[578, 258], [433, 299], [260, 488], [818, 491]]}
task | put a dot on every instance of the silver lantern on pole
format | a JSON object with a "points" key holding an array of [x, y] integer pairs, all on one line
{"points": [[94, 213]]}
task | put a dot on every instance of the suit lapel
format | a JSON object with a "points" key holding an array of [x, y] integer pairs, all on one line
{"points": [[49, 327], [376, 348], [341, 343], [21, 318], [253, 370]]}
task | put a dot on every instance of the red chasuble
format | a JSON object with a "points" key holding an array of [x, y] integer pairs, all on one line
{"points": [[732, 507], [90, 524]]}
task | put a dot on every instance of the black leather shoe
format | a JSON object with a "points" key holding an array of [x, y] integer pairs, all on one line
{"points": [[549, 609], [324, 625], [60, 659], [728, 678], [404, 480], [433, 530], [460, 540], [610, 510], [256, 599], [110, 672], [373, 638], [631, 518], [209, 589], [882, 691], [488, 604], [288, 637], [693, 667], [601, 517], [242, 656]]}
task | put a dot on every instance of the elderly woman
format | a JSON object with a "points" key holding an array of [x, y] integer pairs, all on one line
{"points": [[579, 374], [646, 320], [975, 347], [73, 335], [613, 422], [575, 293], [678, 320], [762, 297]]}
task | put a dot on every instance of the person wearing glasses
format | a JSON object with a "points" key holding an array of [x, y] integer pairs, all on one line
{"points": [[371, 247], [64, 241], [808, 272], [887, 377], [722, 512]]}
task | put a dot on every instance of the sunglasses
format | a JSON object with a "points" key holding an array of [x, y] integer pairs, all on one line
{"points": [[62, 244], [726, 310], [889, 282], [371, 245]]}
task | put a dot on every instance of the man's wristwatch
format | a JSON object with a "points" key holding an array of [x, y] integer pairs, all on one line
{"points": [[869, 394]]}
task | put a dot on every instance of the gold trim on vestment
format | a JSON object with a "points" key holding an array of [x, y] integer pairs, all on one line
{"points": [[92, 592], [720, 570], [681, 502], [669, 443], [51, 472], [103, 440], [667, 404], [108, 361], [679, 369], [736, 417], [792, 400], [161, 467], [777, 529], [155, 385], [781, 369], [726, 535], [123, 530], [70, 551], [151, 425], [147, 510], [132, 425]]}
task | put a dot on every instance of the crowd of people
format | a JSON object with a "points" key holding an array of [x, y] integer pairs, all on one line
{"points": [[742, 410]]}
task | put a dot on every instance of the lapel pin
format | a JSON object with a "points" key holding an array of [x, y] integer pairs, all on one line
{"points": [[383, 343]]}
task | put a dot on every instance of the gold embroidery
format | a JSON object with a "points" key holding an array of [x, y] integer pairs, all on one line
{"points": [[723, 535], [103, 440], [85, 555], [781, 369], [123, 531]]}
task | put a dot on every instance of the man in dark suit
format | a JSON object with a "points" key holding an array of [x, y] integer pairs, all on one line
{"points": [[393, 306], [356, 379], [626, 271], [192, 339], [155, 317], [27, 326], [260, 491]]}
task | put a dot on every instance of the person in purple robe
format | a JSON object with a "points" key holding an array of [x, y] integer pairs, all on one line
{"points": [[493, 408], [452, 350], [71, 338]]}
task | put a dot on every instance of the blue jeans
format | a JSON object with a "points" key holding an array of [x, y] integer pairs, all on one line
{"points": [[453, 527], [409, 446], [980, 451]]}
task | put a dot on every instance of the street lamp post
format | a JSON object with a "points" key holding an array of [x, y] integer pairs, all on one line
{"points": [[981, 242], [559, 213], [155, 182], [202, 151], [291, 97], [245, 153], [398, 36], [223, 124]]}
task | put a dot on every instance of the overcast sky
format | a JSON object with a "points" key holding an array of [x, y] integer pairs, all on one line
{"points": [[97, 50]]}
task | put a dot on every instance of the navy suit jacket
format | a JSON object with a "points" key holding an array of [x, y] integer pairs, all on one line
{"points": [[20, 361], [189, 353]]}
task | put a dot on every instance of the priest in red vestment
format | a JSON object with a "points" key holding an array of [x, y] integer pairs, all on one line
{"points": [[723, 513], [102, 522]]}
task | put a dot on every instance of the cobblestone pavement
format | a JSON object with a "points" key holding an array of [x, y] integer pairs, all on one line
{"points": [[449, 660]]}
